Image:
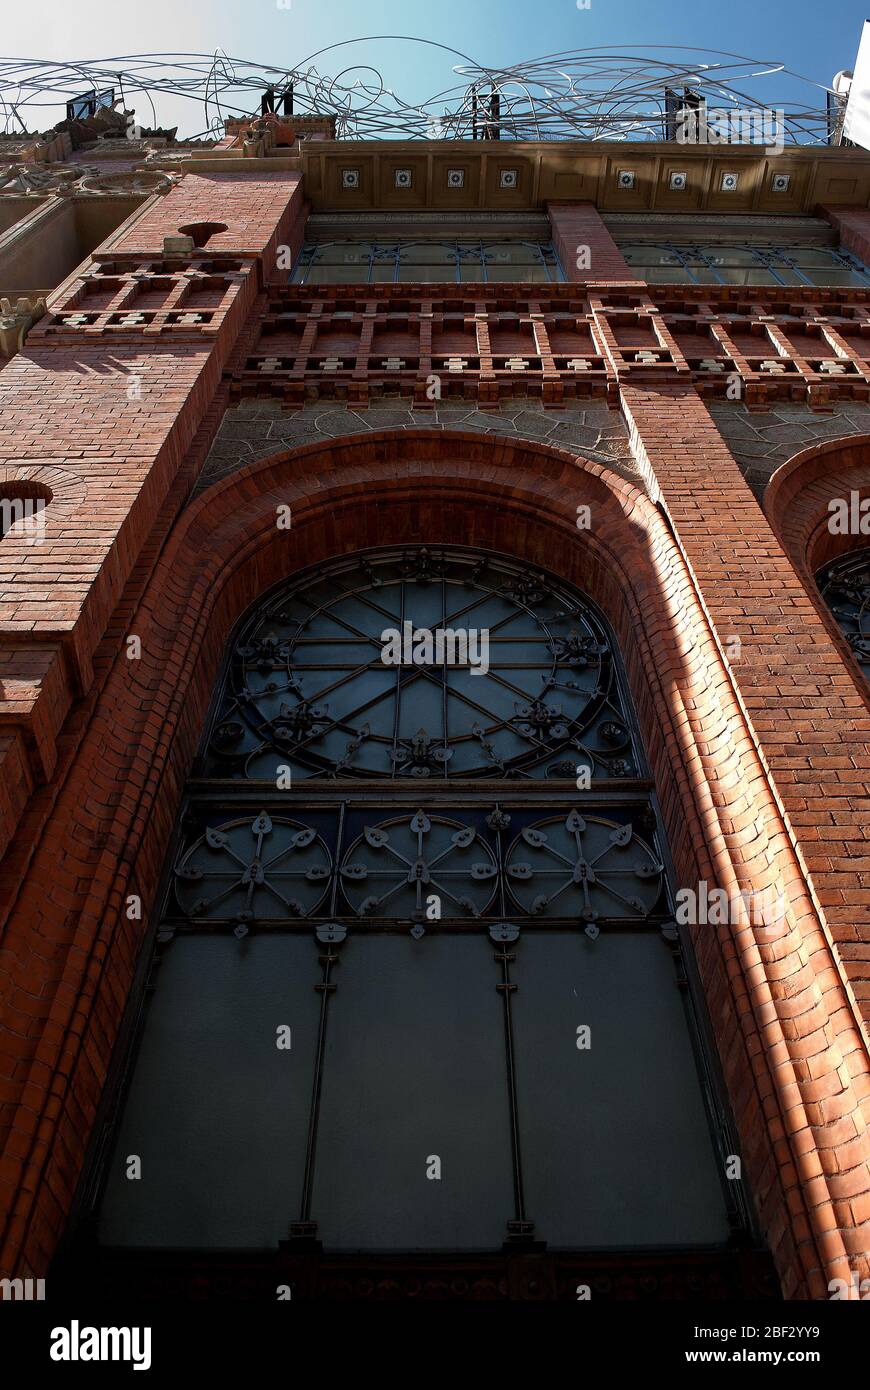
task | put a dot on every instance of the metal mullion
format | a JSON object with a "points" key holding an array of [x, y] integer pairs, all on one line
{"points": [[499, 859], [444, 673], [338, 854], [795, 269], [397, 713], [478, 791], [325, 988], [520, 1227]]}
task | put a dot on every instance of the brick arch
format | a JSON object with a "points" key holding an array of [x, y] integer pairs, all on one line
{"points": [[67, 490], [796, 504], [122, 788]]}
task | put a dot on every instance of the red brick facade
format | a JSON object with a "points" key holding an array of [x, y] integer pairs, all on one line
{"points": [[761, 759]]}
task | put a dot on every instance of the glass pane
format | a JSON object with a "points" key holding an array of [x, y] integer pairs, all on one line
{"points": [[343, 253], [217, 1113], [429, 253], [671, 275], [615, 1141], [411, 272], [338, 274], [414, 1070], [730, 255], [812, 256], [511, 253], [844, 277], [649, 255], [534, 273], [735, 275]]}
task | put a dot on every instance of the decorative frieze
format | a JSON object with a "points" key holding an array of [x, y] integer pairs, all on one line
{"points": [[74, 180]]}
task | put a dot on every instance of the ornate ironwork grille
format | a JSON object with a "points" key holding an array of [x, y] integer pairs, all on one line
{"points": [[747, 264], [410, 262], [417, 982], [309, 689], [845, 587]]}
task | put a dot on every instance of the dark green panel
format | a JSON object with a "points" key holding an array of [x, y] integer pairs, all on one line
{"points": [[414, 1067], [217, 1113], [615, 1142]]}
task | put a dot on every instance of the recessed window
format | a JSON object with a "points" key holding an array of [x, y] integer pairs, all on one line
{"points": [[351, 262], [695, 263]]}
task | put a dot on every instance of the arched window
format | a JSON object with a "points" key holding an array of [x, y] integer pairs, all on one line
{"points": [[419, 986], [845, 586]]}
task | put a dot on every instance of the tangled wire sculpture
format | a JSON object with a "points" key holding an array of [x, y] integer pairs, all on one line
{"points": [[583, 94]]}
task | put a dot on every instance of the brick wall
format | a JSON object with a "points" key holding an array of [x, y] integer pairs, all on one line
{"points": [[111, 410], [578, 227]]}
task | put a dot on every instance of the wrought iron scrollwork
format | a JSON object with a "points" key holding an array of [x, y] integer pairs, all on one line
{"points": [[583, 866], [248, 869], [476, 865], [394, 867], [310, 687], [845, 587]]}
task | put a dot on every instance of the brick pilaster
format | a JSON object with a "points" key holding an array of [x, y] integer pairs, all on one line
{"points": [[853, 225], [579, 225], [794, 747]]}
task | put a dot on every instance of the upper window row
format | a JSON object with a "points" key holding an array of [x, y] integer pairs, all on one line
{"points": [[352, 262], [695, 264], [369, 263]]}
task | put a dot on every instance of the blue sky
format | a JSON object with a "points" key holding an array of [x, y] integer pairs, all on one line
{"points": [[813, 39]]}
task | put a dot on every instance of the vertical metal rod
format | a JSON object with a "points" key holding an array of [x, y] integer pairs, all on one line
{"points": [[397, 712], [444, 674], [325, 988], [505, 988]]}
